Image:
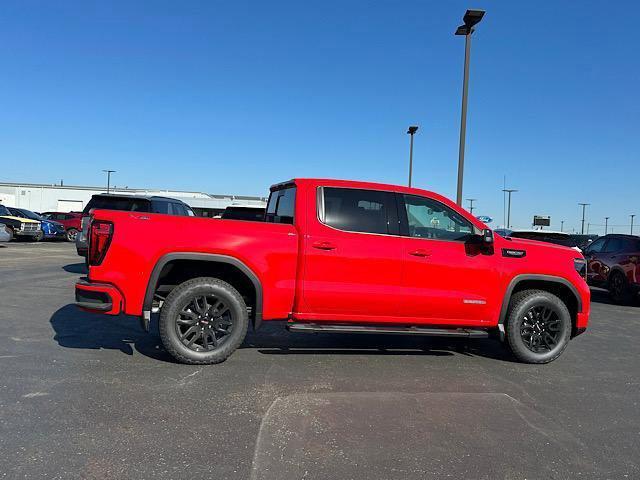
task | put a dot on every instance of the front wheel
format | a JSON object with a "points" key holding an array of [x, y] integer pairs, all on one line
{"points": [[39, 236], [619, 288], [72, 233], [203, 321], [538, 326]]}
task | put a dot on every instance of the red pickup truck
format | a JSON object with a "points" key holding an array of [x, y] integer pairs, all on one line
{"points": [[334, 256]]}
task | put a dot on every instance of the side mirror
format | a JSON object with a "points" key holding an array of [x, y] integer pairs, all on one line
{"points": [[487, 236]]}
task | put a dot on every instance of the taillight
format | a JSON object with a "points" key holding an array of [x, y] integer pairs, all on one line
{"points": [[100, 234]]}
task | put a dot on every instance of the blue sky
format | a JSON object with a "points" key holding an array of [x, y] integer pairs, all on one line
{"points": [[230, 97]]}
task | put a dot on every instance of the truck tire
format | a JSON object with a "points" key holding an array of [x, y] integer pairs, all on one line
{"points": [[538, 326], [39, 236], [203, 321]]}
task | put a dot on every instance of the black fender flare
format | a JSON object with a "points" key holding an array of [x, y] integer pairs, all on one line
{"points": [[527, 277], [207, 257]]}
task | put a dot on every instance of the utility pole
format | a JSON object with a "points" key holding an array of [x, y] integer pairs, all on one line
{"points": [[632, 223], [509, 192], [470, 19], [561, 225], [471, 200], [108, 172], [606, 224], [584, 206], [412, 130]]}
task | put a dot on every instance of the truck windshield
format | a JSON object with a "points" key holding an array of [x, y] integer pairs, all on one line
{"points": [[4, 211], [281, 206]]}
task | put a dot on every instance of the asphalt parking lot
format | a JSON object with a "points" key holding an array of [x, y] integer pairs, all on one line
{"points": [[89, 396]]}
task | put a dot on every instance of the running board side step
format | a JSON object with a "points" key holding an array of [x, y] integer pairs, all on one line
{"points": [[433, 332]]}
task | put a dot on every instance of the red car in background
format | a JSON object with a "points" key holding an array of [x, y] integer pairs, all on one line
{"points": [[70, 220]]}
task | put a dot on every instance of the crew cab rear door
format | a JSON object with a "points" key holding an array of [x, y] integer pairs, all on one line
{"points": [[352, 266]]}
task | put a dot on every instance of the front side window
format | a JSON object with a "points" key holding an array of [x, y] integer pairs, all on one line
{"points": [[428, 218], [356, 210], [282, 205], [596, 247]]}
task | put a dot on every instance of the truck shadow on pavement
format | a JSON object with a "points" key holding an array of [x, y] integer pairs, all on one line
{"points": [[273, 339], [76, 268], [75, 328]]}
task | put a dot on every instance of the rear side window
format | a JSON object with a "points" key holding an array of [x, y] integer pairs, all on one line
{"points": [[178, 209], [118, 203], [619, 244], [357, 210], [281, 206]]}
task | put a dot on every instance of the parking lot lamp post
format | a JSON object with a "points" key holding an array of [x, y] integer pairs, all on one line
{"points": [[584, 206], [509, 192], [606, 224], [412, 130], [471, 200], [632, 223], [561, 225], [108, 172], [470, 19]]}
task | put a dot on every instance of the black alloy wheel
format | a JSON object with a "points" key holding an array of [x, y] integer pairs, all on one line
{"points": [[205, 323], [540, 329]]}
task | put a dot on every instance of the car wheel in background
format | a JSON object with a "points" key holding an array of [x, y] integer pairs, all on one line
{"points": [[39, 236], [203, 321], [538, 326], [72, 233], [618, 287]]}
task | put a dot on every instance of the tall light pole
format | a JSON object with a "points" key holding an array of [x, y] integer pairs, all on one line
{"points": [[561, 225], [470, 19], [108, 172], [606, 224], [584, 206], [632, 223], [471, 200], [412, 130], [509, 192]]}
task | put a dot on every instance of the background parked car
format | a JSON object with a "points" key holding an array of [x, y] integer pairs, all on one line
{"points": [[133, 203], [71, 220], [6, 235], [234, 212], [613, 262], [21, 228], [48, 228], [548, 236]]}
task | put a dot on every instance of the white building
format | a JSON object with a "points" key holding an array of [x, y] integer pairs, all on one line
{"points": [[67, 198]]}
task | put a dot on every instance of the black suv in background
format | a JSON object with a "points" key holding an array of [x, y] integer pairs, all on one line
{"points": [[131, 203], [613, 262]]}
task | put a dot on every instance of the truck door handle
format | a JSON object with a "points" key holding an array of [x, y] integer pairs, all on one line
{"points": [[323, 245], [420, 253]]}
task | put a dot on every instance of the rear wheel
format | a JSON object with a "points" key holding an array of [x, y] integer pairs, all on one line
{"points": [[538, 326], [72, 233], [203, 321], [619, 288]]}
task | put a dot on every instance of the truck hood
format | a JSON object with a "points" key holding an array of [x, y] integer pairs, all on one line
{"points": [[526, 243], [18, 219]]}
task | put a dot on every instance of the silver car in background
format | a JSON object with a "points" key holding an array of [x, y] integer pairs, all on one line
{"points": [[5, 233]]}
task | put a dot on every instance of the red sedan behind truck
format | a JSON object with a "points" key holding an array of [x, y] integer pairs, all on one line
{"points": [[335, 256]]}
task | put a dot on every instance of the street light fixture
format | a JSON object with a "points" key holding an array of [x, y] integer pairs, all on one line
{"points": [[584, 206], [470, 19], [471, 200], [108, 172], [561, 225], [606, 224], [509, 192], [412, 130], [632, 223]]}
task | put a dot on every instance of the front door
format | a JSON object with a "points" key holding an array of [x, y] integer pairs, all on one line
{"points": [[448, 278], [352, 266], [596, 266]]}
